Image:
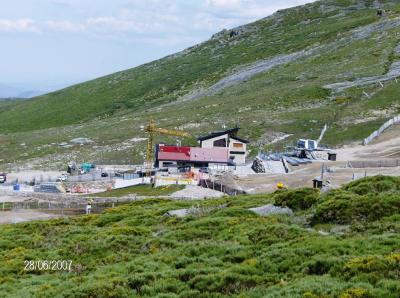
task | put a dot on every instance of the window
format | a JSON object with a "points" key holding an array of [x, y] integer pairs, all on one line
{"points": [[220, 143], [237, 145], [238, 152], [301, 144]]}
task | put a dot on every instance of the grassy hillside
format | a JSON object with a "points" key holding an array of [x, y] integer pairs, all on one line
{"points": [[164, 80], [344, 243], [348, 39]]}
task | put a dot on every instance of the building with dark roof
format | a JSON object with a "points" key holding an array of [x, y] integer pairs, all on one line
{"points": [[187, 157], [217, 148], [228, 139]]}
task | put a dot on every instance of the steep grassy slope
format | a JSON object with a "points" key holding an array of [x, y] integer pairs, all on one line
{"points": [[346, 41], [224, 251], [165, 79]]}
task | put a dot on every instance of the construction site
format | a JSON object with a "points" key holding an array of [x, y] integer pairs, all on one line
{"points": [[219, 165]]}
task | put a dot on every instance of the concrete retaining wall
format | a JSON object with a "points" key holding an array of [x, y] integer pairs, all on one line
{"points": [[220, 187]]}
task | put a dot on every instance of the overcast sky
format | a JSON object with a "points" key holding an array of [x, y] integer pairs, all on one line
{"points": [[58, 42]]}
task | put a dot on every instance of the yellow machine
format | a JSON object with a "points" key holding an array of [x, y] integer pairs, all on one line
{"points": [[151, 130], [280, 185]]}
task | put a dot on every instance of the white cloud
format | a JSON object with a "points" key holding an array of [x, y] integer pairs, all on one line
{"points": [[238, 10], [96, 37], [226, 4], [19, 25], [64, 26], [152, 20], [123, 25]]}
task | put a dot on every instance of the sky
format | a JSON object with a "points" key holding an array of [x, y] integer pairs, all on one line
{"points": [[48, 44]]}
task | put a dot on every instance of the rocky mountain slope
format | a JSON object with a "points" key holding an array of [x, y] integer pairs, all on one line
{"points": [[331, 61]]}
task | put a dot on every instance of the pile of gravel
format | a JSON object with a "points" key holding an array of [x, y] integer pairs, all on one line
{"points": [[271, 210], [193, 192]]}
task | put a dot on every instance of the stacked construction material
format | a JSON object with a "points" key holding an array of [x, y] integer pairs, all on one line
{"points": [[50, 187]]}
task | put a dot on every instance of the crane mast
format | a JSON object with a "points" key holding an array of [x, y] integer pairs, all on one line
{"points": [[152, 130]]}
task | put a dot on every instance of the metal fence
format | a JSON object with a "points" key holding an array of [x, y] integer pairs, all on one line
{"points": [[59, 207], [361, 164], [386, 125]]}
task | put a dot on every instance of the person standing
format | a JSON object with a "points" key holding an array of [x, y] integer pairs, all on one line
{"points": [[89, 206]]}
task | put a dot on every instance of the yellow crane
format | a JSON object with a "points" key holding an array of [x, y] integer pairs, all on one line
{"points": [[152, 130]]}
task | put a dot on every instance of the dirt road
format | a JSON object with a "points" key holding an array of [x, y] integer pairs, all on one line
{"points": [[387, 146], [16, 216], [384, 148]]}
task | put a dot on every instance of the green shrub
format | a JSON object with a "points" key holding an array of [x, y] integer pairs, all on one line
{"points": [[345, 207], [297, 199], [376, 184], [113, 288], [108, 218], [383, 266], [233, 212], [321, 265], [133, 251], [227, 283], [356, 293]]}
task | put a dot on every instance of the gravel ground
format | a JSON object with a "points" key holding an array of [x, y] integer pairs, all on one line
{"points": [[196, 193], [393, 73], [16, 216]]}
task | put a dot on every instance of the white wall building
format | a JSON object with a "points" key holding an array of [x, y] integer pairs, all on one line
{"points": [[227, 139]]}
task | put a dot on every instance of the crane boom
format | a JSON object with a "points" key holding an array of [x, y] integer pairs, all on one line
{"points": [[151, 130], [176, 133]]}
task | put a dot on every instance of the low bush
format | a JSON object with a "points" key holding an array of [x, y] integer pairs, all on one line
{"points": [[374, 185], [376, 265], [297, 199], [344, 207], [135, 251]]}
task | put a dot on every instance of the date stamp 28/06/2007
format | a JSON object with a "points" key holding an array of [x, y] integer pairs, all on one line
{"points": [[47, 265]]}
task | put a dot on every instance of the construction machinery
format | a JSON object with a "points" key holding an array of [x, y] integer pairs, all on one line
{"points": [[280, 185], [152, 130], [3, 177], [311, 149], [307, 144]]}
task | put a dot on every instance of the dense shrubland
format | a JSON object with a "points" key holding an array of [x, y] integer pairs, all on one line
{"points": [[343, 243]]}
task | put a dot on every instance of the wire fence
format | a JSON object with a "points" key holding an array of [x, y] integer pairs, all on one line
{"points": [[59, 207], [395, 120], [361, 164]]}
